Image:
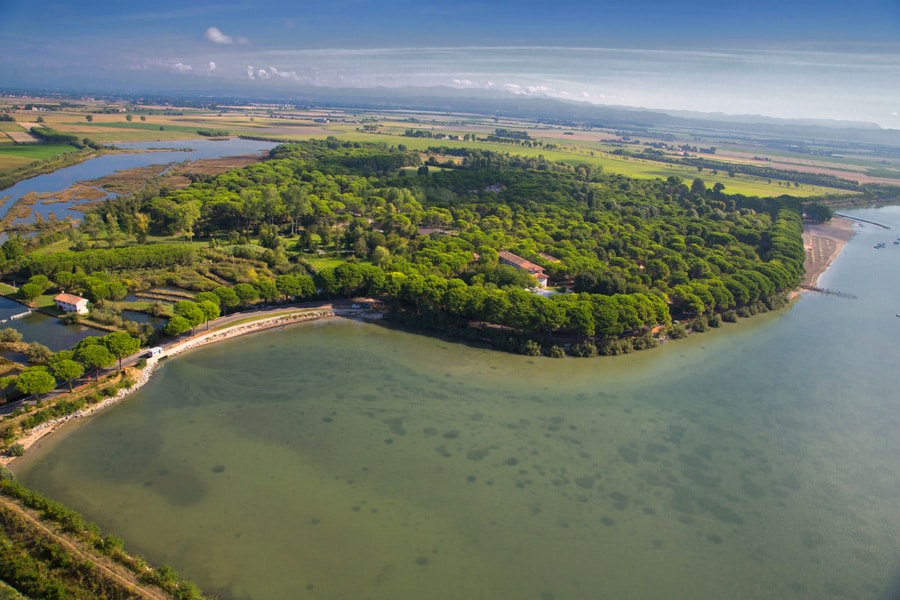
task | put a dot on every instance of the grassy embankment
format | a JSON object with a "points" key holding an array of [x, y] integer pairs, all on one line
{"points": [[15, 164]]}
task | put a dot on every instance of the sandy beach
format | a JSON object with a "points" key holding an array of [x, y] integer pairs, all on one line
{"points": [[823, 243]]}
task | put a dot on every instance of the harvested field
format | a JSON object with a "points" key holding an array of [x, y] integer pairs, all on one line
{"points": [[22, 137]]}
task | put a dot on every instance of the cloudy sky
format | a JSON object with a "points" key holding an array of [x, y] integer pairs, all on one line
{"points": [[802, 58]]}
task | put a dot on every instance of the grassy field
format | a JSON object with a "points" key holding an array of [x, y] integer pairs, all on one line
{"points": [[144, 306], [19, 155], [140, 126], [323, 262]]}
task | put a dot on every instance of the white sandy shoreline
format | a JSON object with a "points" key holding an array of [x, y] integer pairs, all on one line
{"points": [[279, 320]]}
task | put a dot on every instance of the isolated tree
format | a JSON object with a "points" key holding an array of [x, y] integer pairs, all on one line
{"points": [[190, 311], [186, 216], [66, 369], [228, 298], [95, 356], [14, 248], [141, 227], [35, 380], [698, 187], [121, 345], [211, 296], [29, 291], [210, 310], [268, 291], [88, 118], [40, 280], [177, 325], [246, 293], [129, 118], [288, 285]]}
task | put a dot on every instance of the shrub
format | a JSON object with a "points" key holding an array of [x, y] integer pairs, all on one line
{"points": [[715, 320], [677, 332], [16, 450], [700, 324], [729, 316], [71, 318], [583, 349], [557, 351], [530, 348], [644, 341]]}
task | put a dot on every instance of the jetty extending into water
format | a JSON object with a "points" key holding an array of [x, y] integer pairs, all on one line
{"points": [[837, 214], [16, 316], [829, 292]]}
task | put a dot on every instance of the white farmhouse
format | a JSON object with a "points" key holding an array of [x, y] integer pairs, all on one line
{"points": [[71, 303]]}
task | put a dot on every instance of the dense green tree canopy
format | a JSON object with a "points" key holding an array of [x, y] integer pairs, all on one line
{"points": [[635, 253]]}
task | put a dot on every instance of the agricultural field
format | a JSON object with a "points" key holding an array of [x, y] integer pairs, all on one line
{"points": [[19, 155], [106, 123]]}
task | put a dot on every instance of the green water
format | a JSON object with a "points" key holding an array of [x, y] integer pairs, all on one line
{"points": [[347, 460]]}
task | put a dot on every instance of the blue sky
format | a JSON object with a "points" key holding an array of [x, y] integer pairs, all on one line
{"points": [[645, 51]]}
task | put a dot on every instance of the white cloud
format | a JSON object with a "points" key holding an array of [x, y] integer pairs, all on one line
{"points": [[283, 74], [211, 66], [179, 66], [262, 74], [214, 35], [250, 72]]}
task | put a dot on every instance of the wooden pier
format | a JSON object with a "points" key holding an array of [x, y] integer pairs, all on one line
{"points": [[837, 214], [828, 292]]}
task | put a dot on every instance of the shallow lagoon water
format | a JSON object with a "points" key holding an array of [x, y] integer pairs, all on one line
{"points": [[348, 460], [102, 166]]}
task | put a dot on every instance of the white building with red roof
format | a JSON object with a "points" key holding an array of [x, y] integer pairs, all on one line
{"points": [[536, 271], [71, 303]]}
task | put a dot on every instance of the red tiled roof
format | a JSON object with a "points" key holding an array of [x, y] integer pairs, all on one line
{"points": [[518, 261], [69, 298]]}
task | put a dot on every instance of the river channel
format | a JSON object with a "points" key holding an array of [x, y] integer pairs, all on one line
{"points": [[95, 168], [349, 460]]}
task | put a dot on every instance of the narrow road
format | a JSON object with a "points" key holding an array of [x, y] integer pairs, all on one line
{"points": [[224, 321], [113, 571]]}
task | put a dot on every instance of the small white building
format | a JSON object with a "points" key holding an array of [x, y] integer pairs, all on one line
{"points": [[71, 303], [536, 271]]}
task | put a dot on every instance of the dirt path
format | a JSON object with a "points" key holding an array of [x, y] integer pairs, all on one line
{"points": [[114, 572]]}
